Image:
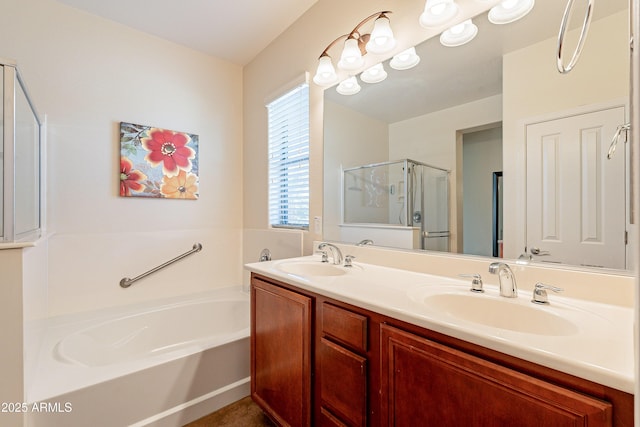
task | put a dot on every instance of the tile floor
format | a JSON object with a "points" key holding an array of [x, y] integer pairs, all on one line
{"points": [[243, 413]]}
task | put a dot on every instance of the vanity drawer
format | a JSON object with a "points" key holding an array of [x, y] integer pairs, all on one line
{"points": [[343, 385], [345, 326]]}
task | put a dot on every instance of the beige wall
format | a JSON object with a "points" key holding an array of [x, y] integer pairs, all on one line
{"points": [[87, 74], [11, 337], [360, 140]]}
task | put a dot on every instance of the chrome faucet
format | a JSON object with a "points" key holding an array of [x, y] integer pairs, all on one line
{"points": [[506, 277], [365, 242], [335, 252]]}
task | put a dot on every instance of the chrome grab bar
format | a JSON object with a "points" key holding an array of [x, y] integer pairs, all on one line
{"points": [[126, 282], [583, 36]]}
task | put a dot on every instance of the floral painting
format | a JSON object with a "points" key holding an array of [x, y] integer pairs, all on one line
{"points": [[157, 162]]}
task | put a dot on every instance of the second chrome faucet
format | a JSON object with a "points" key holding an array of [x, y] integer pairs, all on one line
{"points": [[507, 279]]}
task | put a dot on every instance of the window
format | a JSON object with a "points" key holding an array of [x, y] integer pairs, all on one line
{"points": [[289, 159]]}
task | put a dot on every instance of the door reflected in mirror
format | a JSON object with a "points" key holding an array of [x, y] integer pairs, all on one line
{"points": [[481, 108]]}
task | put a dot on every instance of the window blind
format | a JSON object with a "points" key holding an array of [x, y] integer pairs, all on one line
{"points": [[288, 118]]}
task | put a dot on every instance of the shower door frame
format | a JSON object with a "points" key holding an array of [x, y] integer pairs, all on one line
{"points": [[12, 81]]}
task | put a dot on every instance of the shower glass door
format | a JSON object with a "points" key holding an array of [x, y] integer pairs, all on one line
{"points": [[20, 160], [27, 166]]}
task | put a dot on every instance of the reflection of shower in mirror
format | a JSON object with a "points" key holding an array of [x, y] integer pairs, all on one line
{"points": [[376, 188], [354, 186], [417, 200]]}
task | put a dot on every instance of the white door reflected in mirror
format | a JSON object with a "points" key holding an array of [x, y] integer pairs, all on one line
{"points": [[575, 195]]}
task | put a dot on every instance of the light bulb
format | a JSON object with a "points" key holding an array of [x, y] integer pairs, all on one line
{"points": [[381, 40], [374, 74], [351, 58], [509, 11], [459, 34], [438, 12], [405, 59], [349, 86], [457, 29], [325, 74]]}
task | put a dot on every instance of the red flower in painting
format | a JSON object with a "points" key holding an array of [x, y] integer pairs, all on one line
{"points": [[130, 179], [168, 148]]}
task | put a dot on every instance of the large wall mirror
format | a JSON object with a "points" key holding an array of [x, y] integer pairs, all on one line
{"points": [[496, 106]]}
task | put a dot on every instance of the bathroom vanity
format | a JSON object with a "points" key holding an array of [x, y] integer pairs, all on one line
{"points": [[327, 352]]}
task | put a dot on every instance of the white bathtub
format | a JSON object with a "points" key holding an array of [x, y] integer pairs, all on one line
{"points": [[160, 364]]}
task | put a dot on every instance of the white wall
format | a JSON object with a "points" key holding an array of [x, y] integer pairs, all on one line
{"points": [[87, 74], [34, 305]]}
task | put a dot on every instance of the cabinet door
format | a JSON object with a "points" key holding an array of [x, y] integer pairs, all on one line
{"points": [[327, 419], [343, 383], [426, 383], [281, 353]]}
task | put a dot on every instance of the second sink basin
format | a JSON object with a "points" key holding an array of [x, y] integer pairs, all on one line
{"points": [[514, 314]]}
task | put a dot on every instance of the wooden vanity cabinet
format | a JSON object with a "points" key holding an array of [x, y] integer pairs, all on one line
{"points": [[321, 362], [426, 382], [281, 358]]}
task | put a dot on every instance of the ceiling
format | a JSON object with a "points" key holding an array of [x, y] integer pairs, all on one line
{"points": [[235, 31], [446, 77], [238, 30]]}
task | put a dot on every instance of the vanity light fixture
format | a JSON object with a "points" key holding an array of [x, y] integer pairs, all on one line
{"points": [[405, 59], [459, 34], [509, 11], [356, 45], [374, 74], [349, 86], [438, 12]]}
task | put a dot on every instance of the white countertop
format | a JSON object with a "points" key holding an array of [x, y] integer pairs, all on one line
{"points": [[600, 349]]}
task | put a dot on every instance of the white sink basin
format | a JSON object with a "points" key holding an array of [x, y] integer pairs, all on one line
{"points": [[502, 313], [457, 304], [310, 268]]}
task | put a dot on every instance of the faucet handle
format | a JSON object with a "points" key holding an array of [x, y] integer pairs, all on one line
{"points": [[476, 283], [347, 260], [325, 257], [540, 293], [265, 255]]}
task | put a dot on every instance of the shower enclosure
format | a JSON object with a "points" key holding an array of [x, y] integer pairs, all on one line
{"points": [[403, 193], [21, 133]]}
